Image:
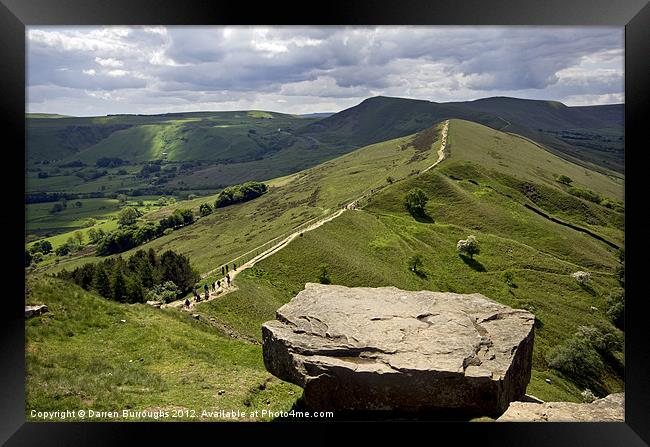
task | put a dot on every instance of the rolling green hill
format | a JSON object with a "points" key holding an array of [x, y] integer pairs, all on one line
{"points": [[467, 195], [211, 150], [592, 136], [290, 202], [214, 136], [534, 232]]}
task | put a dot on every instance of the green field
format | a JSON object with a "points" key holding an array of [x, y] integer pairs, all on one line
{"points": [[57, 226]]}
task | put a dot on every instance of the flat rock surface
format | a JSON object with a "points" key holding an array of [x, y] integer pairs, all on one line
{"points": [[389, 349], [607, 409]]}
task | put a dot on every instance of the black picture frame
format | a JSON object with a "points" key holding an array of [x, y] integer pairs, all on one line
{"points": [[634, 15]]}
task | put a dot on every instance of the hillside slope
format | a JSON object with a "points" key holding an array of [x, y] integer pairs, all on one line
{"points": [[214, 136], [589, 135], [467, 195], [292, 201], [91, 353]]}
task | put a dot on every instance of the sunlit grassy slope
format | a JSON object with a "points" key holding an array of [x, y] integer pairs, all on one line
{"points": [[91, 353], [312, 193], [371, 247]]}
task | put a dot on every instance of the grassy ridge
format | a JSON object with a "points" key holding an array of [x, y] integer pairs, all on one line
{"points": [[371, 247], [81, 355], [299, 198], [591, 136]]}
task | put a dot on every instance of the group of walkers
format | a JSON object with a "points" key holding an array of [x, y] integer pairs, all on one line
{"points": [[216, 285]]}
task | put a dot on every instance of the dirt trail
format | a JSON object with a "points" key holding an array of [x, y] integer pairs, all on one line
{"points": [[223, 290], [443, 145]]}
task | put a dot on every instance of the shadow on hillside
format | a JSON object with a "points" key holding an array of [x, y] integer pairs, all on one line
{"points": [[423, 218], [420, 274], [473, 263], [587, 288]]}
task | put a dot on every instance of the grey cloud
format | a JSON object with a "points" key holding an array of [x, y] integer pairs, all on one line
{"points": [[280, 66]]}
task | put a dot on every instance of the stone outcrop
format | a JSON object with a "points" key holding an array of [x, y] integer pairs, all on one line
{"points": [[34, 311], [376, 349], [607, 409]]}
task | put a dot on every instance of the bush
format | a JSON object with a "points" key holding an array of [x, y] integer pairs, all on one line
{"points": [[62, 250], [588, 396], [240, 193], [415, 262], [585, 194], [95, 235], [41, 246], [564, 180], [468, 246], [109, 162], [164, 201], [577, 359], [149, 169], [616, 311], [509, 278], [205, 209], [128, 216], [583, 356], [165, 292], [415, 201], [324, 276], [57, 208]]}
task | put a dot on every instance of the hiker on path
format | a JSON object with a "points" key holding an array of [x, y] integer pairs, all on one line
{"points": [[213, 283], [226, 268], [206, 288], [234, 266], [207, 295], [187, 303], [219, 284], [228, 279], [223, 270]]}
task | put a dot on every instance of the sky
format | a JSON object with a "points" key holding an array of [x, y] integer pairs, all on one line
{"points": [[94, 70]]}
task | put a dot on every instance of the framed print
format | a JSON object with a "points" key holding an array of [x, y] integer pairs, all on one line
{"points": [[420, 214]]}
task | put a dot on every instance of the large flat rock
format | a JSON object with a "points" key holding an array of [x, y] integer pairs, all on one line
{"points": [[389, 349], [607, 409]]}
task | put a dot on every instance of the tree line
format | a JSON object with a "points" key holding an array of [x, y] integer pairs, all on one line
{"points": [[127, 281], [129, 235]]}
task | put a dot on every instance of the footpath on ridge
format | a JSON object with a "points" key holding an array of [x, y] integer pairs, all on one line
{"points": [[226, 287]]}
